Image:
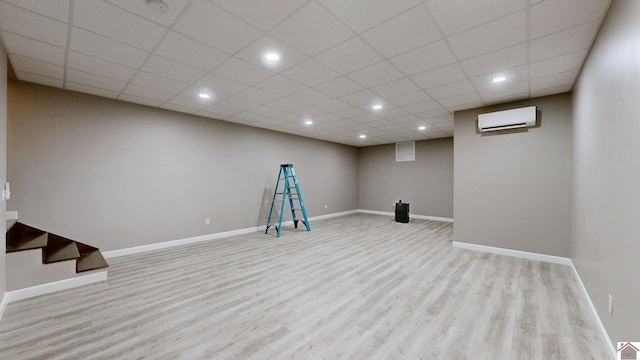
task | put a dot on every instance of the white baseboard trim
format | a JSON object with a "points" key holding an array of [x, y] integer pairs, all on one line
{"points": [[603, 330], [3, 304], [411, 216], [208, 237], [12, 215], [514, 253], [48, 288]]}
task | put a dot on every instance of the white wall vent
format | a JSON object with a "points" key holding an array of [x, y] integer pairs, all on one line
{"points": [[507, 119], [406, 151]]}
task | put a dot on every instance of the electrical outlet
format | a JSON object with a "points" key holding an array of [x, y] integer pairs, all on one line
{"points": [[610, 304], [207, 221], [326, 206]]}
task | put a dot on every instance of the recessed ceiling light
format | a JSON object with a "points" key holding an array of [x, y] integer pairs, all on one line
{"points": [[376, 107], [204, 96], [270, 58], [499, 79], [308, 122], [422, 128], [363, 136]]}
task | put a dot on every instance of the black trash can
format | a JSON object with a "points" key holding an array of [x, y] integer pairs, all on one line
{"points": [[402, 212]]}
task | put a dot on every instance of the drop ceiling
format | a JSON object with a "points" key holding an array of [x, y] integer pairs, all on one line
{"points": [[419, 60]]}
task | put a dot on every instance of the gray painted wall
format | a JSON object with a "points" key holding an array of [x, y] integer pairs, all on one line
{"points": [[513, 189], [426, 183], [117, 175], [605, 242], [3, 167]]}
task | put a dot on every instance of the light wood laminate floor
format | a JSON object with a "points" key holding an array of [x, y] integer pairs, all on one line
{"points": [[355, 287]]}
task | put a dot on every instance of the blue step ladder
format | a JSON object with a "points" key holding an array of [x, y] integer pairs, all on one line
{"points": [[286, 176]]}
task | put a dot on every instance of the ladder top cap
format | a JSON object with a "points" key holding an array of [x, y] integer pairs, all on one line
{"points": [[285, 165]]}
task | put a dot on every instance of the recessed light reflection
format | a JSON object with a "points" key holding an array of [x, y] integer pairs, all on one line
{"points": [[422, 128], [271, 59], [308, 122], [499, 79], [363, 136], [377, 107], [204, 96]]}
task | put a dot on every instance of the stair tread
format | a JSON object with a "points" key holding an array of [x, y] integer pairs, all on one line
{"points": [[90, 260], [55, 252], [24, 237]]}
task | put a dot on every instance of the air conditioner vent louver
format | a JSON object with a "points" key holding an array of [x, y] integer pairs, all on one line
{"points": [[507, 119]]}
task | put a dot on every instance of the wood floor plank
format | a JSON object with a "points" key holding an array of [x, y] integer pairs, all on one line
{"points": [[356, 287]]}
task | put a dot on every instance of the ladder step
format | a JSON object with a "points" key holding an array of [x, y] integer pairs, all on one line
{"points": [[291, 191]]}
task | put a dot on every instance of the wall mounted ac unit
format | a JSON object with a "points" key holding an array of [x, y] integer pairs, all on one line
{"points": [[507, 119]]}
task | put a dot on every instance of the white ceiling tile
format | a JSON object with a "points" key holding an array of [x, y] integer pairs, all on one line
{"points": [[139, 100], [190, 52], [363, 14], [171, 69], [266, 111], [238, 103], [141, 8], [190, 102], [551, 91], [405, 32], [496, 35], [97, 66], [158, 82], [339, 87], [91, 90], [214, 26], [395, 88], [110, 50], [496, 61], [310, 73], [349, 112], [555, 80], [115, 23], [58, 10], [148, 93], [312, 30], [494, 99], [552, 16], [256, 51], [425, 58], [218, 85], [577, 38], [562, 63], [309, 96], [435, 114], [21, 45], [256, 95], [332, 105], [309, 111], [447, 90], [360, 98], [280, 85], [410, 99], [484, 83], [286, 104], [242, 71], [423, 107], [95, 81], [26, 23], [489, 93], [39, 79], [456, 16], [262, 14], [349, 56], [37, 67], [376, 74], [440, 76], [221, 111], [462, 101], [248, 117]]}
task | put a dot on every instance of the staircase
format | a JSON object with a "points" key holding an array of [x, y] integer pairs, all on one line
{"points": [[55, 248]]}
